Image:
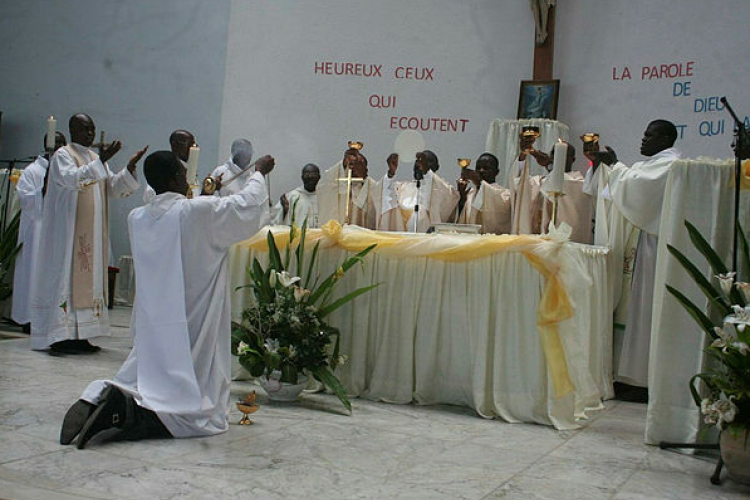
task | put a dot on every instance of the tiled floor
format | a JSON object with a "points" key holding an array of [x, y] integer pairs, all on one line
{"points": [[311, 450]]}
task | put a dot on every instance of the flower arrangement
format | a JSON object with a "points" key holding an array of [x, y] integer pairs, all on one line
{"points": [[727, 386], [285, 330]]}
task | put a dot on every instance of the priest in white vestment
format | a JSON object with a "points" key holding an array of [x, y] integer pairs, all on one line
{"points": [[365, 194], [481, 200], [30, 192], [69, 287], [235, 169], [302, 202], [423, 202], [575, 206], [178, 372], [635, 197]]}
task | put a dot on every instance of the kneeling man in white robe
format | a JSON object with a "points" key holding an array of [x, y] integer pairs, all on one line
{"points": [[176, 380]]}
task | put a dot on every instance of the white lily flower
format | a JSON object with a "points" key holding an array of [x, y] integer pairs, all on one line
{"points": [[742, 347], [744, 288], [286, 279], [272, 279], [300, 293], [242, 348], [726, 408], [342, 360], [271, 345], [726, 281], [727, 335], [741, 317], [705, 406], [292, 351]]}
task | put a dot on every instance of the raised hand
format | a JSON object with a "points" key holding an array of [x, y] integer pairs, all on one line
{"points": [[109, 151], [284, 204], [135, 159], [608, 157], [265, 164]]}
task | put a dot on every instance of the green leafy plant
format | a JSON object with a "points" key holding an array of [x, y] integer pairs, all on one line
{"points": [[285, 329], [727, 386], [9, 249]]}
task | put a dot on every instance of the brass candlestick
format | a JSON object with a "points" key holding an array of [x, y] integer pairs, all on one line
{"points": [[247, 406]]}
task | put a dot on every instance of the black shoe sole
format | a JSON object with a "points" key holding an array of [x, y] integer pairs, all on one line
{"points": [[74, 420], [111, 414]]}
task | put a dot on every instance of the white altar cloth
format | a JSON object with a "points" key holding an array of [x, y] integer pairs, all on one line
{"points": [[465, 333]]}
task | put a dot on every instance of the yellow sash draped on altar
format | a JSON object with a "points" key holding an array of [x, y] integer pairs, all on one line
{"points": [[540, 252]]}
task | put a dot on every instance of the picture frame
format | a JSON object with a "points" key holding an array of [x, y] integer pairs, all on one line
{"points": [[538, 99]]}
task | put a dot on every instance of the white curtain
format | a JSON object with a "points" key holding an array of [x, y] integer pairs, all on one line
{"points": [[700, 191], [502, 141]]}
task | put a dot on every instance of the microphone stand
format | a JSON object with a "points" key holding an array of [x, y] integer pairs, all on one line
{"points": [[739, 133], [418, 176]]}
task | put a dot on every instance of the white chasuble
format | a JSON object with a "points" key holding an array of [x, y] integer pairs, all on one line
{"points": [[364, 199], [574, 208], [54, 316], [29, 193], [635, 196], [305, 205], [527, 200], [489, 206], [436, 199], [190, 323]]}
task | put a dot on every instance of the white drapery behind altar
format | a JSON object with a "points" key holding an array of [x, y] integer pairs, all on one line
{"points": [[502, 141]]}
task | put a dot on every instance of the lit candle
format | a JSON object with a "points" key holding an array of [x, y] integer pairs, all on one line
{"points": [[557, 177], [49, 143], [192, 165]]}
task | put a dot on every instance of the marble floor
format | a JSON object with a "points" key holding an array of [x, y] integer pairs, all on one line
{"points": [[311, 450]]}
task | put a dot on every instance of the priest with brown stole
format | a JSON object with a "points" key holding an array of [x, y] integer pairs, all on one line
{"points": [[482, 201], [346, 194], [574, 207], [69, 301], [423, 202]]}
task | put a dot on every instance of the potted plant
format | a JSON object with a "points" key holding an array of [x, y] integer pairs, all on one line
{"points": [[284, 335], [726, 387]]}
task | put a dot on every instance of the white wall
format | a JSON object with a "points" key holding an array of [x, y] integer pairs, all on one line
{"points": [[140, 68], [479, 49], [593, 37]]}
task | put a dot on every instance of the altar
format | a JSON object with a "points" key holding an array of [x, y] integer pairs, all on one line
{"points": [[511, 326]]}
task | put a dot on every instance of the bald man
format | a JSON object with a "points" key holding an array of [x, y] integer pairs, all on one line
{"points": [[69, 290]]}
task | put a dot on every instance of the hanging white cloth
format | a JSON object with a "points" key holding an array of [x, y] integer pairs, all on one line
{"points": [[29, 193]]}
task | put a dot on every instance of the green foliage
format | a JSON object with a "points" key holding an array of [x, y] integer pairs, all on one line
{"points": [[726, 389], [9, 249], [285, 328]]}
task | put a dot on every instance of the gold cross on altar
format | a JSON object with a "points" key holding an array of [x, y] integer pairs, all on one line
{"points": [[349, 179]]}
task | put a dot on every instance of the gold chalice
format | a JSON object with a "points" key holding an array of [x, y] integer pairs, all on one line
{"points": [[358, 145], [247, 406], [530, 131], [589, 137], [463, 162]]}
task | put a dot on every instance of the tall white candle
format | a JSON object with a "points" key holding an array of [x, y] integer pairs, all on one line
{"points": [[557, 177], [192, 166], [49, 142]]}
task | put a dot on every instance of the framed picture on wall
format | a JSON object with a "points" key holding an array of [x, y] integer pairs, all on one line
{"points": [[538, 99]]}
